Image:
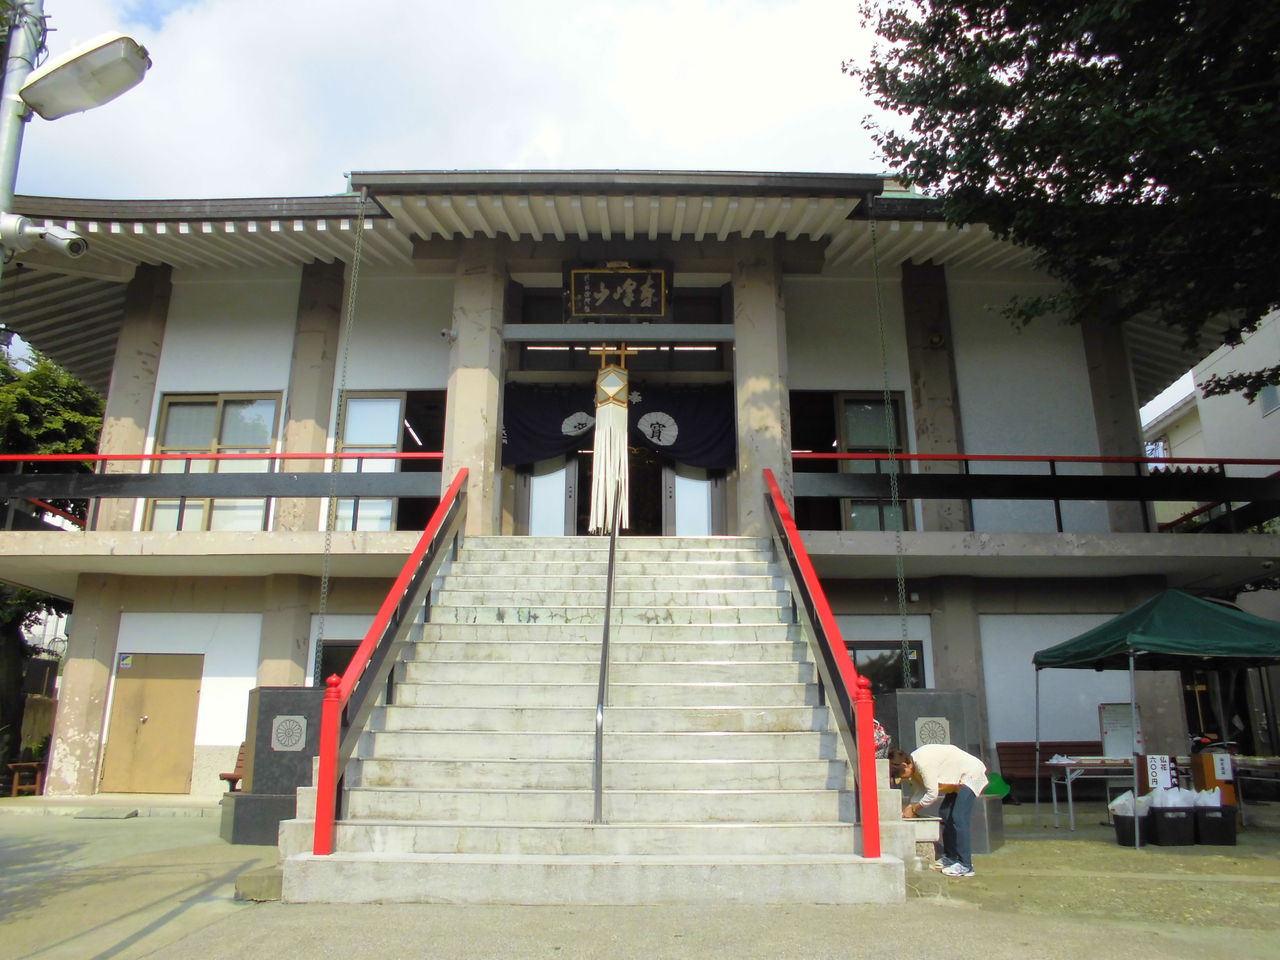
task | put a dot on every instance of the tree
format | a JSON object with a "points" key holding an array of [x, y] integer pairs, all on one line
{"points": [[42, 410], [1132, 143]]}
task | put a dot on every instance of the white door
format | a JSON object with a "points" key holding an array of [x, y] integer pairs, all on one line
{"points": [[692, 501], [548, 493]]}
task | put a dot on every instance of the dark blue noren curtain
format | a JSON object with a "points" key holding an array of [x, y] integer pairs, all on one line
{"points": [[691, 425], [543, 422]]}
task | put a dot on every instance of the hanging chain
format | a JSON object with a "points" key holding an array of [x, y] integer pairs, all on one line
{"points": [[335, 465], [891, 433]]}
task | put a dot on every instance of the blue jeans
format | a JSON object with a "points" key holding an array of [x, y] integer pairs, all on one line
{"points": [[957, 826]]}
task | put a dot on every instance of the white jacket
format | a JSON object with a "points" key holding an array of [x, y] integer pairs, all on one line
{"points": [[941, 764]]}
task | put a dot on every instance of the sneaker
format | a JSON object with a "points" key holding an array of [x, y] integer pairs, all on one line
{"points": [[958, 870], [941, 864]]}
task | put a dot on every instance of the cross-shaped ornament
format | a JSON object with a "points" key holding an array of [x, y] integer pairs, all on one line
{"points": [[605, 352]]}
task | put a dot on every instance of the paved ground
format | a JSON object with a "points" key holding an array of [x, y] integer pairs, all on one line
{"points": [[162, 886]]}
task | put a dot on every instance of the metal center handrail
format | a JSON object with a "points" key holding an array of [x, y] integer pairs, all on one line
{"points": [[602, 689]]}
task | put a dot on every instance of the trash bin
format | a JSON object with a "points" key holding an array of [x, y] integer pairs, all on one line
{"points": [[1172, 826], [1124, 829], [1216, 826]]}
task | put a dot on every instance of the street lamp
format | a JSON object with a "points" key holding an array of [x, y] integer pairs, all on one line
{"points": [[86, 77]]}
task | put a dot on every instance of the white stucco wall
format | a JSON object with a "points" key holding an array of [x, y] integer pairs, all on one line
{"points": [[1022, 391], [395, 335], [229, 331], [833, 334], [1068, 698]]}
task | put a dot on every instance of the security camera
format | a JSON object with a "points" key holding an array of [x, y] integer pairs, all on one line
{"points": [[19, 234], [64, 241], [448, 335]]}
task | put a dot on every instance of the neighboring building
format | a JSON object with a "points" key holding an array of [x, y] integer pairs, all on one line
{"points": [[801, 307], [1192, 426]]}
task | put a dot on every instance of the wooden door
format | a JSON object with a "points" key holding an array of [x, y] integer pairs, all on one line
{"points": [[152, 733]]}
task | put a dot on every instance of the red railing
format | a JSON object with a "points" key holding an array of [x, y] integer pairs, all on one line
{"points": [[851, 691], [339, 689], [1029, 458]]}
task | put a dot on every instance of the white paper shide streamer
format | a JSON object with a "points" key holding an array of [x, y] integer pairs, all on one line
{"points": [[610, 454]]}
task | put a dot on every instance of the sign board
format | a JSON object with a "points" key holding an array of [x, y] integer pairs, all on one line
{"points": [[618, 290], [1115, 720], [1161, 771]]}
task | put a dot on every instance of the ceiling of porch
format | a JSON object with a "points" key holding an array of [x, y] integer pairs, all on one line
{"points": [[72, 310]]}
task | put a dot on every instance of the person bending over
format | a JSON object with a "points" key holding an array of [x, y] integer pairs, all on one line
{"points": [[941, 769]]}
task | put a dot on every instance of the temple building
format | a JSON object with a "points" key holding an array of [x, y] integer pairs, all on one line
{"points": [[767, 322]]}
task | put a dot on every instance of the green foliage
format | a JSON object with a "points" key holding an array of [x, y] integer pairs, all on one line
{"points": [[42, 410], [47, 410], [1131, 142]]}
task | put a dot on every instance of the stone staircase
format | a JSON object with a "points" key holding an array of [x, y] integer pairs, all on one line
{"points": [[724, 779]]}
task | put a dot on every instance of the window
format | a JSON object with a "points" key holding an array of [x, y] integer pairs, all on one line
{"points": [[392, 422], [868, 426], [880, 661], [1269, 398], [214, 423], [831, 422]]}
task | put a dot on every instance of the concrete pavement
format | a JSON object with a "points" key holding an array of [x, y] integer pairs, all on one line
{"points": [[162, 885]]}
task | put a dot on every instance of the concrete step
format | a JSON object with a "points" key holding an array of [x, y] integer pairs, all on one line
{"points": [[458, 694], [612, 879], [616, 719], [543, 577], [518, 805], [586, 839], [646, 615], [620, 671], [471, 553], [644, 635], [551, 745], [516, 593], [618, 775], [516, 650]]}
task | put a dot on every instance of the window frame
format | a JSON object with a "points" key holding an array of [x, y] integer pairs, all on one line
{"points": [[219, 400], [341, 446], [897, 401]]}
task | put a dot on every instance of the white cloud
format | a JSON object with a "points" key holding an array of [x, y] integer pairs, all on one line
{"points": [[254, 98]]}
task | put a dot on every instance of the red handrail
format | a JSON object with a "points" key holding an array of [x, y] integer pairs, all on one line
{"points": [[338, 689], [857, 688], [108, 457], [1028, 458]]}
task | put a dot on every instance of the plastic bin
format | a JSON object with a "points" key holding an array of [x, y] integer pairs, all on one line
{"points": [[1172, 826], [1124, 829], [1216, 826]]}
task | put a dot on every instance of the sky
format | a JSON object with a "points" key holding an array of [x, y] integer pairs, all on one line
{"points": [[254, 98]]}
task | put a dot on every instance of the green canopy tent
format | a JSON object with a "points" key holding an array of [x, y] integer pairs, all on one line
{"points": [[1171, 631]]}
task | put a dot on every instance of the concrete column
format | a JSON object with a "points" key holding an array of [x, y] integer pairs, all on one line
{"points": [[760, 380], [957, 642], [474, 407], [286, 630], [311, 376], [934, 393], [82, 694], [1115, 412], [132, 392]]}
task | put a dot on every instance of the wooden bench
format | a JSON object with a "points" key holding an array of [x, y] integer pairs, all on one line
{"points": [[235, 776], [34, 768], [1017, 761]]}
